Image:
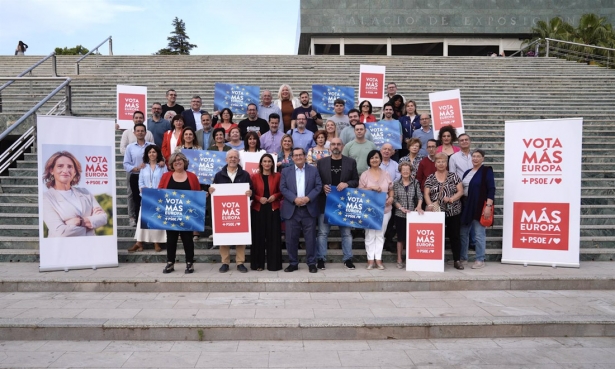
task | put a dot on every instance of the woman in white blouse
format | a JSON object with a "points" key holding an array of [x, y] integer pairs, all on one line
{"points": [[69, 211]]}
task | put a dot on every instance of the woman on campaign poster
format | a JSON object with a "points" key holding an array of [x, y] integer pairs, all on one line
{"points": [[69, 211]]}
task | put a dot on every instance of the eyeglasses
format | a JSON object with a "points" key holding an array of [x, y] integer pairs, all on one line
{"points": [[422, 119]]}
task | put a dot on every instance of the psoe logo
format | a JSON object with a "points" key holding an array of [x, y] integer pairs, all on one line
{"points": [[541, 226], [425, 241]]}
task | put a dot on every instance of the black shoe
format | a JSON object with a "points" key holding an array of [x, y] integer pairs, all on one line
{"points": [[223, 268], [189, 268], [242, 268], [169, 268], [321, 264], [291, 268], [458, 265], [313, 269], [349, 265]]}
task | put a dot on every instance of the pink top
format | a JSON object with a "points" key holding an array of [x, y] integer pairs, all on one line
{"points": [[455, 149], [384, 182]]}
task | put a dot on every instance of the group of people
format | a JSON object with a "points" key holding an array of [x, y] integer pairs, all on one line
{"points": [[304, 157]]}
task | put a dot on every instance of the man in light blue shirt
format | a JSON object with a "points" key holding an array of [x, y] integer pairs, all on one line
{"points": [[388, 165], [424, 134], [133, 163], [302, 137], [271, 141], [266, 107], [388, 117], [157, 125]]}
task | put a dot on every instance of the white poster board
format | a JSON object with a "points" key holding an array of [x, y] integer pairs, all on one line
{"points": [[425, 242], [231, 219], [446, 110], [249, 161], [371, 84], [129, 100], [542, 186], [77, 193]]}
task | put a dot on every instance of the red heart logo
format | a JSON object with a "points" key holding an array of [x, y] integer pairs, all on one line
{"points": [[558, 180]]}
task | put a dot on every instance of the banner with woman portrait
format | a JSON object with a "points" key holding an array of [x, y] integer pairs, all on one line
{"points": [[77, 197]]}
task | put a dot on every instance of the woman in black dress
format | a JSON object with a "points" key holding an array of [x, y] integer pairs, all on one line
{"points": [[266, 228]]}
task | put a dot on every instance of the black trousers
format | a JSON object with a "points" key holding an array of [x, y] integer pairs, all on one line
{"points": [[136, 194], [172, 237], [453, 229]]}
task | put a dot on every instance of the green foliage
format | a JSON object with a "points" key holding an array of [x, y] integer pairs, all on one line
{"points": [[592, 30], [106, 203], [178, 41], [77, 50]]}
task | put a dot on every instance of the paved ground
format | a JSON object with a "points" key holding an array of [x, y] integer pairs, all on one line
{"points": [[498, 353]]}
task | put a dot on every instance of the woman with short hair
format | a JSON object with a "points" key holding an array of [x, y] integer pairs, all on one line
{"points": [[407, 197], [319, 151]]}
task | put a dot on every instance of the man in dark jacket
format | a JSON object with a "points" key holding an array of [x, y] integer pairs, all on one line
{"points": [[232, 173]]}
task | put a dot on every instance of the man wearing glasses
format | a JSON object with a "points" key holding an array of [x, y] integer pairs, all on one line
{"points": [[253, 123], [157, 125], [424, 134], [171, 105], [300, 185]]}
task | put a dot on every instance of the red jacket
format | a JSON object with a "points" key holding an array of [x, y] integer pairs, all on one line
{"points": [[258, 189], [166, 144], [192, 179], [426, 168]]}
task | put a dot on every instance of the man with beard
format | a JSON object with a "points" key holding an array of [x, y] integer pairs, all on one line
{"points": [[347, 133], [157, 125], [314, 120], [253, 123]]}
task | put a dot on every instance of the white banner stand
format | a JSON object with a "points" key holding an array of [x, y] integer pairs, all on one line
{"points": [[425, 242]]}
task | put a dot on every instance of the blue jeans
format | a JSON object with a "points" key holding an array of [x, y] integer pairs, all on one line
{"points": [[321, 240], [479, 232]]}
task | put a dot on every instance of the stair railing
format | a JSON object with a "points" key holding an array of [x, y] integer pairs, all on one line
{"points": [[54, 70], [535, 43], [575, 51], [93, 50]]}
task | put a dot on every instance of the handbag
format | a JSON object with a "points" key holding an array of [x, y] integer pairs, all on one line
{"points": [[484, 221], [435, 205]]}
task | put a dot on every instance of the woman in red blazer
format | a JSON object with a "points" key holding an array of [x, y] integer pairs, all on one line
{"points": [[266, 228], [172, 138], [179, 179]]}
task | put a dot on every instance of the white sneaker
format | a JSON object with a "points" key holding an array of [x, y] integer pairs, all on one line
{"points": [[478, 265]]}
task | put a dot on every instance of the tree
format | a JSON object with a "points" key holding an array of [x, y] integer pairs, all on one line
{"points": [[178, 41], [77, 50]]}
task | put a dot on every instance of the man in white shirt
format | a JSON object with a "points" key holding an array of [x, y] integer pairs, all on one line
{"points": [[461, 161]]}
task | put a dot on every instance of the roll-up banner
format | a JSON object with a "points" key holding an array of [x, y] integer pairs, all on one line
{"points": [[542, 192], [231, 214], [77, 193], [129, 100], [371, 84], [425, 242], [446, 110]]}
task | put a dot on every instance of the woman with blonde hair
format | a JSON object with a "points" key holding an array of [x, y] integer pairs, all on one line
{"points": [[287, 104]]}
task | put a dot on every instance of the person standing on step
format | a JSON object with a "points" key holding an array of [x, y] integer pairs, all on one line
{"points": [[179, 179], [253, 123], [205, 135], [232, 173], [171, 105], [407, 197], [341, 120], [347, 134], [359, 147], [301, 136], [192, 117], [267, 107], [388, 117], [157, 125], [133, 163], [314, 120], [287, 104], [337, 171], [271, 141], [300, 186], [391, 91], [21, 48], [128, 137], [427, 166], [392, 168], [149, 177]]}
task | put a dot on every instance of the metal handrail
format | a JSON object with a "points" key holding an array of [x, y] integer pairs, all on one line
{"points": [[537, 42], [34, 109], [29, 70], [578, 44], [585, 55], [94, 49], [16, 149]]}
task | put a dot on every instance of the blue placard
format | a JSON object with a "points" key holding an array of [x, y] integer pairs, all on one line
{"points": [[354, 207], [323, 97], [385, 132], [235, 97], [205, 163], [173, 210]]}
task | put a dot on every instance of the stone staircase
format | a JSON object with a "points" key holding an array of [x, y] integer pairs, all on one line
{"points": [[492, 89]]}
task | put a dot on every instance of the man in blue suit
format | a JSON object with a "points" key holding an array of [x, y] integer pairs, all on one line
{"points": [[192, 117], [300, 185]]}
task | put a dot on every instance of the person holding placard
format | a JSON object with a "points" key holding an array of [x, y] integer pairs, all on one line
{"points": [[266, 226], [179, 179], [232, 173], [407, 197], [443, 191], [479, 194], [219, 142], [376, 179]]}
